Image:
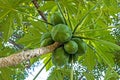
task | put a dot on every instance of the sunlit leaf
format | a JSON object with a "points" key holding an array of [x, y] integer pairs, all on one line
{"points": [[47, 6], [6, 51], [89, 76], [6, 27], [59, 74], [31, 38], [93, 19], [105, 51], [49, 65], [110, 74], [90, 59], [39, 25]]}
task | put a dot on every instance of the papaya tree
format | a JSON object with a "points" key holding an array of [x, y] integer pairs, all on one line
{"points": [[75, 39]]}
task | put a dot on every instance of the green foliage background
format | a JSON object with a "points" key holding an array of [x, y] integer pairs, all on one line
{"points": [[92, 20]]}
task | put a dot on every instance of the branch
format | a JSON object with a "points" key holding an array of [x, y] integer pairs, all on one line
{"points": [[15, 59], [40, 12]]}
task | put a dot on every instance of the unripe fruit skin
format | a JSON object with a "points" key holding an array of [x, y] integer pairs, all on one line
{"points": [[71, 47], [45, 36], [82, 46], [46, 39], [46, 42], [61, 33], [59, 57], [56, 18]]}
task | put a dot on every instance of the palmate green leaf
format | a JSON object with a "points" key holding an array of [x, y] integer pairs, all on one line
{"points": [[31, 39], [6, 51], [6, 74], [102, 33], [99, 33], [109, 45], [47, 6], [55, 75], [89, 76], [109, 3], [106, 57], [90, 59], [105, 51], [105, 35], [33, 35], [18, 18], [79, 24], [49, 65], [39, 25], [12, 73], [59, 74], [6, 27], [5, 4], [69, 6], [111, 6], [8, 6], [4, 13], [110, 74], [7, 17]]}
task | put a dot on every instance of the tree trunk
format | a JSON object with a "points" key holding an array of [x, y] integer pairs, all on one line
{"points": [[26, 55]]}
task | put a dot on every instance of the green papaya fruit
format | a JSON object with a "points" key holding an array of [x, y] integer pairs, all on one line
{"points": [[46, 42], [61, 33], [56, 18], [46, 39], [45, 36], [82, 46], [60, 57], [71, 47]]}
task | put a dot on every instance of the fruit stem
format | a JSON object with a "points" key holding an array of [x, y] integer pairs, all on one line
{"points": [[71, 75]]}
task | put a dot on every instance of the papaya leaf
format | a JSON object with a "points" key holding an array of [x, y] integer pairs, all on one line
{"points": [[46, 6], [18, 18], [4, 13], [90, 59], [32, 38], [49, 65], [39, 25], [59, 74], [109, 45], [109, 3], [11, 73], [84, 17], [6, 27], [46, 55], [111, 74], [105, 51], [89, 76], [7, 74], [6, 51]]}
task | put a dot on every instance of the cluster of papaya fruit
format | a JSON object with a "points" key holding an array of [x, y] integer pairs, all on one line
{"points": [[70, 47]]}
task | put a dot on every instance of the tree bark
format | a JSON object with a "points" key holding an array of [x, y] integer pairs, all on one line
{"points": [[17, 58]]}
